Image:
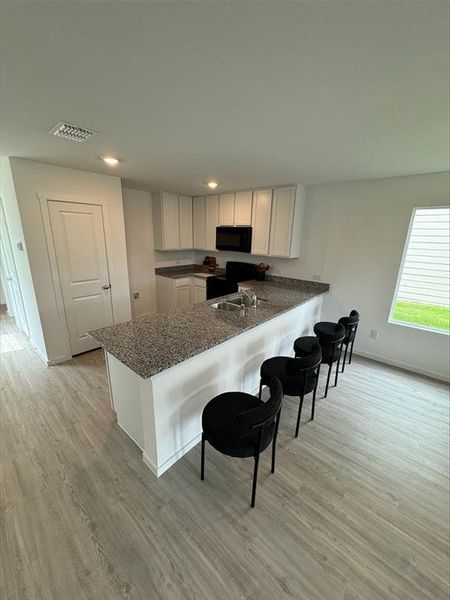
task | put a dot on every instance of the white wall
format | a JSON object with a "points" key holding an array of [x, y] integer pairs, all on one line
{"points": [[137, 212], [31, 178], [354, 234], [21, 257]]}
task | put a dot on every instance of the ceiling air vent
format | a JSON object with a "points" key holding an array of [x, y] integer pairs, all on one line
{"points": [[71, 132]]}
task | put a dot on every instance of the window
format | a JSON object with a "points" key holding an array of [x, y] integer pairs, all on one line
{"points": [[422, 294]]}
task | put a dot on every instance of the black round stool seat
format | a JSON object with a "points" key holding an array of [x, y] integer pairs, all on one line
{"points": [[283, 367], [218, 419], [304, 345]]}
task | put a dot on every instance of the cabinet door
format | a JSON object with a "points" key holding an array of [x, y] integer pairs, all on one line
{"points": [[243, 208], [199, 292], [199, 223], [211, 221], [185, 212], [170, 221], [283, 205], [262, 207], [226, 209], [183, 295]]}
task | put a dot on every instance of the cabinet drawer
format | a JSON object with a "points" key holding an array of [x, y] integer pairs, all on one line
{"points": [[183, 281]]}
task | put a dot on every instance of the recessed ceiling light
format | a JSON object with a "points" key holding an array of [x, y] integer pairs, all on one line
{"points": [[212, 184], [110, 160]]}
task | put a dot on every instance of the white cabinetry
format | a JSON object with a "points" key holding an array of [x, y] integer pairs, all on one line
{"points": [[199, 290], [185, 220], [183, 293], [262, 208], [206, 219], [286, 221], [243, 208], [226, 209], [211, 221], [199, 223], [172, 221], [275, 214], [171, 293]]}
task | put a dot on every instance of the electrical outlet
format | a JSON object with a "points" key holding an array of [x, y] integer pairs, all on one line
{"points": [[317, 277], [373, 334], [135, 295]]}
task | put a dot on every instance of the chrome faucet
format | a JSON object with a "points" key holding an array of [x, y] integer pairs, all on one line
{"points": [[252, 298]]}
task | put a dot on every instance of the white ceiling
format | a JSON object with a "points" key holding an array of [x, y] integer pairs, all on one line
{"points": [[250, 93]]}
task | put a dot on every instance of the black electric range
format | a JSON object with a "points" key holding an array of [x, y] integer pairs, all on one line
{"points": [[235, 272]]}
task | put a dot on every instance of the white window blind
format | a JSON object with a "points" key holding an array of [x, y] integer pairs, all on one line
{"points": [[425, 274]]}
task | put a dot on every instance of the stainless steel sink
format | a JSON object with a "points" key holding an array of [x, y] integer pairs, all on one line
{"points": [[228, 306], [235, 303]]}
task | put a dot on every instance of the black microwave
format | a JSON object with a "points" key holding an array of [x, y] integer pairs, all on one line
{"points": [[234, 239]]}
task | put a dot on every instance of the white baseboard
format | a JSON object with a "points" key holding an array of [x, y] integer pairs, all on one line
{"points": [[58, 360], [158, 471], [403, 365]]}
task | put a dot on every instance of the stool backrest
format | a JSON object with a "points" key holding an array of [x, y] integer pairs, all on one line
{"points": [[246, 422], [351, 325], [330, 341], [306, 362], [305, 366]]}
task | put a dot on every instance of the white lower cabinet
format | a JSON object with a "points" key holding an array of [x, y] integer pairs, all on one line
{"points": [[171, 293], [183, 292], [199, 289]]}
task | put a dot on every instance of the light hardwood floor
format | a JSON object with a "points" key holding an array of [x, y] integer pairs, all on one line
{"points": [[357, 508]]}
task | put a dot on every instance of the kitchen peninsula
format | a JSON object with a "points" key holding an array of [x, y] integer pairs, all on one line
{"points": [[164, 368]]}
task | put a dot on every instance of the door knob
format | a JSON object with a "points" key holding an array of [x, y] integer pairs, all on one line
{"points": [[106, 286]]}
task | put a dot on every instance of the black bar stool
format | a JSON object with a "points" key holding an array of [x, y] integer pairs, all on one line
{"points": [[330, 337], [351, 325], [239, 424], [298, 376]]}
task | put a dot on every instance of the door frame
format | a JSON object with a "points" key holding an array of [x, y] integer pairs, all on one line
{"points": [[44, 198]]}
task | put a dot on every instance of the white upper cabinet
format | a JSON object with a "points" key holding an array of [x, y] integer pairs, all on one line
{"points": [[262, 207], [243, 208], [185, 219], [199, 223], [287, 221], [226, 209], [172, 221], [211, 221]]}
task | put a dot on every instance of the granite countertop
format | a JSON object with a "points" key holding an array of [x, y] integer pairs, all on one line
{"points": [[186, 271], [151, 344]]}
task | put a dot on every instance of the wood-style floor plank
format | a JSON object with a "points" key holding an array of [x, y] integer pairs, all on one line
{"points": [[357, 508]]}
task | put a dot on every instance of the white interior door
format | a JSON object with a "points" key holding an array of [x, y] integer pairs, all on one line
{"points": [[15, 302], [79, 240]]}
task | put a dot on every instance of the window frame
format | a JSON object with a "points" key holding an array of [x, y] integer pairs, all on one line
{"points": [[391, 319]]}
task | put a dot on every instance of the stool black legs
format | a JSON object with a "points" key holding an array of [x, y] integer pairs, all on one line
{"points": [[345, 358], [313, 405], [337, 372], [274, 443], [202, 468], [255, 471], [255, 479], [351, 352], [328, 379], [299, 416]]}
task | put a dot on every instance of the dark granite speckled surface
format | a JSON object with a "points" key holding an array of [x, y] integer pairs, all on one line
{"points": [[151, 344], [184, 271]]}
